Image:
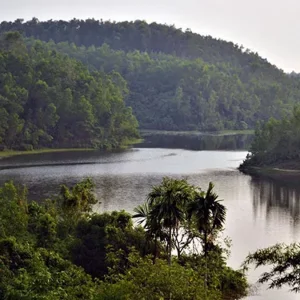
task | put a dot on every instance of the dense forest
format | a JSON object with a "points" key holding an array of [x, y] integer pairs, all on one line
{"points": [[72, 84], [59, 249], [276, 144], [177, 80], [140, 35], [50, 100], [170, 93]]}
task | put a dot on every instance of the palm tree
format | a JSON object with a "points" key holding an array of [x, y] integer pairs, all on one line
{"points": [[142, 212], [151, 225], [167, 204], [209, 215]]}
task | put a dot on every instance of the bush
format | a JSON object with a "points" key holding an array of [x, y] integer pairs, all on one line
{"points": [[23, 147]]}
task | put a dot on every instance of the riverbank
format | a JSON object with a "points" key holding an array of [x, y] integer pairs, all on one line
{"points": [[288, 170], [9, 153], [130, 143], [146, 132]]}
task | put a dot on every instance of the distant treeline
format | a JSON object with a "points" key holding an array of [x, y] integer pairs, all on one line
{"points": [[177, 80]]}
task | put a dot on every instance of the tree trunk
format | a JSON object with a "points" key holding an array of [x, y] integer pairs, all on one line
{"points": [[178, 253], [155, 250], [170, 246], [205, 257], [170, 256], [205, 244]]}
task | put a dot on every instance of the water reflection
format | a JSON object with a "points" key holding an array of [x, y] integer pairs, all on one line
{"points": [[197, 142], [260, 212], [276, 197]]}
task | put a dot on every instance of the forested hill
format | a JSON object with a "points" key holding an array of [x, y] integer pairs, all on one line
{"points": [[50, 100], [177, 80], [139, 35], [167, 92]]}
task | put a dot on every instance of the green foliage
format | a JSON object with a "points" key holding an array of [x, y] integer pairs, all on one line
{"points": [[284, 262], [177, 80], [105, 241], [276, 142], [208, 214], [176, 93], [32, 252], [40, 274], [167, 208], [76, 202], [145, 280], [185, 280], [61, 250], [178, 214], [231, 283], [14, 218], [50, 100]]}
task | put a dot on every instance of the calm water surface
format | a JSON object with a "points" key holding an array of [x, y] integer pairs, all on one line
{"points": [[260, 212]]}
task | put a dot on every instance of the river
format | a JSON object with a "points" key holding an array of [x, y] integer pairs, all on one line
{"points": [[260, 212]]}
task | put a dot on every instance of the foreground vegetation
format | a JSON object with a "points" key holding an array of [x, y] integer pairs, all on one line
{"points": [[177, 80], [276, 145], [60, 249]]}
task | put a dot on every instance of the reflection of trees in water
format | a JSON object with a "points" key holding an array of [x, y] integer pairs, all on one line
{"points": [[198, 142], [117, 192], [276, 195], [105, 189]]}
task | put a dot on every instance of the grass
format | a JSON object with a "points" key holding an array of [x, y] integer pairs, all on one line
{"points": [[214, 133], [8, 153], [234, 132], [131, 142]]}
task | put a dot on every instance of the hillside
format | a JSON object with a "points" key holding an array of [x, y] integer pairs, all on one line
{"points": [[50, 100], [177, 80], [139, 35]]}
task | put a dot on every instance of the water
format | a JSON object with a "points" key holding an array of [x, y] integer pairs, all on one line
{"points": [[260, 212]]}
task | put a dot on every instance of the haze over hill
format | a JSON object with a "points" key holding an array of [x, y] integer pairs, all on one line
{"points": [[78, 83], [177, 80], [268, 27]]}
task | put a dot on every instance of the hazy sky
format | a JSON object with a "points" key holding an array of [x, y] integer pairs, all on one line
{"points": [[270, 27]]}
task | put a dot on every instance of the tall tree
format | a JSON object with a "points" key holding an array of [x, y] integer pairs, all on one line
{"points": [[167, 202], [209, 214], [152, 225]]}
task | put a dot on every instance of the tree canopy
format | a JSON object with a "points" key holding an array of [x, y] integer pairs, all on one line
{"points": [[177, 80], [284, 263], [60, 249], [50, 100], [276, 144]]}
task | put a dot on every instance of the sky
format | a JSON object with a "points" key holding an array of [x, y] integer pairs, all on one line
{"points": [[269, 27]]}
